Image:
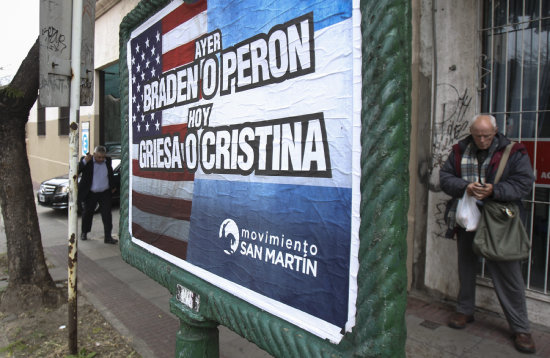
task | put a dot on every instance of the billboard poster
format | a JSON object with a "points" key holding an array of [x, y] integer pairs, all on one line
{"points": [[245, 151]]}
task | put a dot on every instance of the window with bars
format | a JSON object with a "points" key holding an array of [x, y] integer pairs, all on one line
{"points": [[515, 88], [41, 121], [63, 121]]}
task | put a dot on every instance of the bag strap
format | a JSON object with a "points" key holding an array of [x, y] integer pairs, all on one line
{"points": [[458, 158], [503, 161]]}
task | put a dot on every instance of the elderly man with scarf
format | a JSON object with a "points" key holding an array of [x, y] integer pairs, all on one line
{"points": [[471, 167]]}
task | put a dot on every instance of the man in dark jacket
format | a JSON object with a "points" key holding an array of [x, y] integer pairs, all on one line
{"points": [[96, 186], [471, 167]]}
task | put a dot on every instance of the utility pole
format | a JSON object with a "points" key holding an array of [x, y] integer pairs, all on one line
{"points": [[73, 172], [66, 79]]}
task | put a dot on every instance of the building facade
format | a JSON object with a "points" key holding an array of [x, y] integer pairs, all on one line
{"points": [[48, 128], [470, 56], [478, 56]]}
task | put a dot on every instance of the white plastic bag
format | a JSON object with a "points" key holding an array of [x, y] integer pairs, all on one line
{"points": [[467, 213]]}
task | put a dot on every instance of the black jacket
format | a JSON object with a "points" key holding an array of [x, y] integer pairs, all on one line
{"points": [[87, 171], [516, 181]]}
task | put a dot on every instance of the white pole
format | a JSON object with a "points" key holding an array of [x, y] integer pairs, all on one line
{"points": [[76, 41]]}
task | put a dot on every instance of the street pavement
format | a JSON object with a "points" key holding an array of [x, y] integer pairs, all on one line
{"points": [[138, 307]]}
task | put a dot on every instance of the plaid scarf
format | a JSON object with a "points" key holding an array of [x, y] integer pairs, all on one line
{"points": [[471, 172]]}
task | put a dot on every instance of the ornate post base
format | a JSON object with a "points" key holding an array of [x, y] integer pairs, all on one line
{"points": [[197, 336]]}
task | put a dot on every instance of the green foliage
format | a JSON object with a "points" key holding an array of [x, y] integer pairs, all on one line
{"points": [[10, 92], [83, 353], [38, 335], [11, 348]]}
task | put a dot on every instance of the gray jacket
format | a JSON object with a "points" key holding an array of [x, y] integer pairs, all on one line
{"points": [[516, 181]]}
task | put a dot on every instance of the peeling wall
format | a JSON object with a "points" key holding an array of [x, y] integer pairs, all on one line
{"points": [[454, 102], [442, 105], [420, 149]]}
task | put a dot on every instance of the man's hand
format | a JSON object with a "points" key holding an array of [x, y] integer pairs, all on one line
{"points": [[479, 191], [88, 157]]}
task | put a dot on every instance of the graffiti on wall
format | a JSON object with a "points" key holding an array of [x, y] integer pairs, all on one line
{"points": [[450, 125]]}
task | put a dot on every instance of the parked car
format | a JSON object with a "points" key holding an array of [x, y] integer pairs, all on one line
{"points": [[113, 149], [54, 193]]}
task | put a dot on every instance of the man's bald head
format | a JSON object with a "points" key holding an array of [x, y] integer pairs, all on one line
{"points": [[483, 128]]}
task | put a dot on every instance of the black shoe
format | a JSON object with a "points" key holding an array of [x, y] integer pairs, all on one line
{"points": [[83, 236], [524, 343], [459, 320], [110, 240]]}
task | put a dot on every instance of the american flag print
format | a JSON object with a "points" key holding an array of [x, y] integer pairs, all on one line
{"points": [[161, 200]]}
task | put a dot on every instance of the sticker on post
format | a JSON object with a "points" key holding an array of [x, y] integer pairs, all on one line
{"points": [[188, 298]]}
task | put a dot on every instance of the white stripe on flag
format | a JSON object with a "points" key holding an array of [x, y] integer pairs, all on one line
{"points": [[163, 188], [186, 32], [162, 225]]}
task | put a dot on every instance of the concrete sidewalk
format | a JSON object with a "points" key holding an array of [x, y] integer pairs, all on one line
{"points": [[138, 307], [487, 337]]}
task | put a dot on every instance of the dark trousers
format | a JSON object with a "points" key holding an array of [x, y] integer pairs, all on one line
{"points": [[507, 280], [104, 200]]}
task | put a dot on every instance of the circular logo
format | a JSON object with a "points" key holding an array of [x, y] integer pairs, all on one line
{"points": [[229, 231]]}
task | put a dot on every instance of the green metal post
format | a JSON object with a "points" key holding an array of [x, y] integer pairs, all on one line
{"points": [[197, 336]]}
